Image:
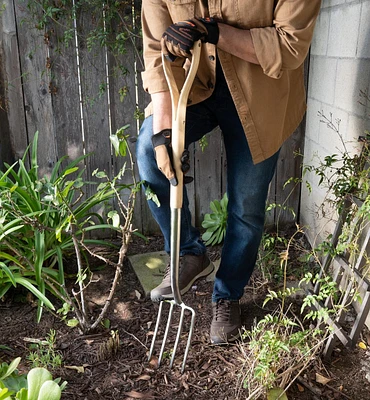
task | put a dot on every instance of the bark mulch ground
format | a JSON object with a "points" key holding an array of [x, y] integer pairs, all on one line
{"points": [[94, 370]]}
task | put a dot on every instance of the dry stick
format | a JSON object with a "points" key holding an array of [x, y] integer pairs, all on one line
{"points": [[80, 283], [314, 390], [98, 256], [122, 253], [137, 339], [126, 230]]}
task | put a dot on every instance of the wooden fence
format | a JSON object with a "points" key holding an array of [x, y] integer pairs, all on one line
{"points": [[71, 92]]}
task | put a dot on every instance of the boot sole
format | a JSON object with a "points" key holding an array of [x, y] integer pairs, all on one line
{"points": [[219, 341], [207, 271]]}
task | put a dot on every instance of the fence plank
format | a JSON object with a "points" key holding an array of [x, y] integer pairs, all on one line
{"points": [[149, 224], [66, 99], [94, 102], [123, 99], [33, 52], [289, 166], [12, 76], [208, 174]]}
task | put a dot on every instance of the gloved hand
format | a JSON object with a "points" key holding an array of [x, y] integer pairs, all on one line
{"points": [[178, 39], [163, 153]]}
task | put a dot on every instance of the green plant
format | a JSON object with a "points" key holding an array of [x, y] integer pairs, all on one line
{"points": [[39, 218], [43, 353], [10, 379], [43, 218], [39, 384], [279, 347], [215, 222], [343, 174]]}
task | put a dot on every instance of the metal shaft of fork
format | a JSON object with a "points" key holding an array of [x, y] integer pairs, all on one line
{"points": [[175, 253]]}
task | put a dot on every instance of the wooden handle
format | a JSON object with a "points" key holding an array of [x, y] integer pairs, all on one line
{"points": [[179, 103]]}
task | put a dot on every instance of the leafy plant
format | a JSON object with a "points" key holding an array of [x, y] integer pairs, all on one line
{"points": [[279, 347], [215, 222], [10, 378], [43, 353], [39, 217], [342, 174], [42, 218], [39, 384]]}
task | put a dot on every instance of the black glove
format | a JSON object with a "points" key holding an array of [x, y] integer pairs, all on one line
{"points": [[178, 39], [163, 153]]}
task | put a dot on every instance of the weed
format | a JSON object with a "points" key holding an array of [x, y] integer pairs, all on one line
{"points": [[43, 353]]}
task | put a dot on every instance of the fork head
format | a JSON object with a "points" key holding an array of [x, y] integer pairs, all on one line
{"points": [[184, 310]]}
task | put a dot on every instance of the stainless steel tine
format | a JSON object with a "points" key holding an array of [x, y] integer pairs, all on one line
{"points": [[159, 317], [168, 325], [179, 103], [191, 329]]}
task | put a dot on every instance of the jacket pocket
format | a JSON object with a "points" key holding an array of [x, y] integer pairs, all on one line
{"points": [[181, 10]]}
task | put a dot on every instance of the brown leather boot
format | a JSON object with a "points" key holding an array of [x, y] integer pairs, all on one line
{"points": [[191, 268], [226, 324]]}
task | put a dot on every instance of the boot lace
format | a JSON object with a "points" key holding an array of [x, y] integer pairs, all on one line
{"points": [[167, 271], [223, 309]]}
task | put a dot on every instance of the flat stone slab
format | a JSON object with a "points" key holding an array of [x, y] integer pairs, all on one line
{"points": [[150, 267]]}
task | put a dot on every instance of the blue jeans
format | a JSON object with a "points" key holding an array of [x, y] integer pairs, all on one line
{"points": [[247, 189]]}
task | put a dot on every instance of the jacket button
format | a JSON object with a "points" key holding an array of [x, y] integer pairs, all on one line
{"points": [[212, 58]]}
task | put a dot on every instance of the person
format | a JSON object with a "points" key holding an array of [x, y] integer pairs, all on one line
{"points": [[250, 84]]}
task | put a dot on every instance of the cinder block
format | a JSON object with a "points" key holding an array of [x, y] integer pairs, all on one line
{"points": [[352, 77], [333, 126], [356, 127], [343, 31], [363, 48], [321, 34], [321, 83], [312, 119], [331, 3]]}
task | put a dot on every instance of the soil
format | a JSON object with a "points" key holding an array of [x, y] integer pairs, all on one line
{"points": [[94, 370]]}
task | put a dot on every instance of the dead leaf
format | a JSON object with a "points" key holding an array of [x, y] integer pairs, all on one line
{"points": [[154, 362], [362, 345], [322, 379], [205, 365], [300, 387], [137, 294], [80, 369], [276, 393], [143, 378], [137, 395]]}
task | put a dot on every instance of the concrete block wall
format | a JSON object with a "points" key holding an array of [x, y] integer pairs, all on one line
{"points": [[339, 70]]}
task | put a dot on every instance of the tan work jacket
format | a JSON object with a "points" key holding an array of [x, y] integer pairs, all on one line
{"points": [[270, 97]]}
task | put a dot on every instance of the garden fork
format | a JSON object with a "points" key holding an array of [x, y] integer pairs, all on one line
{"points": [[179, 103]]}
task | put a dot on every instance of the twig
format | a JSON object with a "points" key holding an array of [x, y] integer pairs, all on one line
{"points": [[125, 239], [314, 390], [338, 391], [138, 340], [79, 267]]}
